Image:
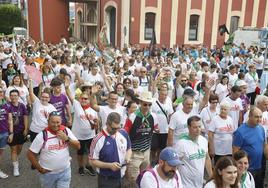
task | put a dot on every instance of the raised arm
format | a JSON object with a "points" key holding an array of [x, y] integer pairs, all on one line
{"points": [[31, 92], [67, 82], [93, 101]]}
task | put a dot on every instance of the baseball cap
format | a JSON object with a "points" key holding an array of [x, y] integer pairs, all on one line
{"points": [[241, 83], [170, 156]]}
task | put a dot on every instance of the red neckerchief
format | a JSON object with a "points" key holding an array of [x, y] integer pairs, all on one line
{"points": [[62, 127], [86, 107]]}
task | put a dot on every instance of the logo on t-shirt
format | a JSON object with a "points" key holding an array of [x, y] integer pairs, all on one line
{"points": [[199, 155]]}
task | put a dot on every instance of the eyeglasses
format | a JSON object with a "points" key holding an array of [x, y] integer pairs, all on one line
{"points": [[147, 104], [214, 102]]}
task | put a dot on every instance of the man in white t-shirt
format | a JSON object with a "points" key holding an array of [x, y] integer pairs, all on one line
{"points": [[236, 106], [53, 146], [112, 106], [163, 109], [178, 121], [193, 151], [165, 174]]}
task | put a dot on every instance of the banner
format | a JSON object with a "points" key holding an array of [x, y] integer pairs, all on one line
{"points": [[34, 73]]}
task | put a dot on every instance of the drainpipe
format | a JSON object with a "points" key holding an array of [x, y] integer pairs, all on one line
{"points": [[41, 20]]}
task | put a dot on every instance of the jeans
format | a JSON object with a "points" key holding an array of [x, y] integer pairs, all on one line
{"points": [[3, 140], [56, 180]]}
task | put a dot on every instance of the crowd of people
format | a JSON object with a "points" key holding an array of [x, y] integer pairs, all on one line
{"points": [[187, 116]]}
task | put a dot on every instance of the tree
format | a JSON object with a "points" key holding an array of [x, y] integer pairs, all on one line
{"points": [[10, 16]]}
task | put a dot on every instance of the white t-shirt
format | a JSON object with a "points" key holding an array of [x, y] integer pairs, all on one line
{"points": [[162, 119], [55, 154], [251, 82], [106, 110], [223, 135], [193, 155], [232, 79], [222, 91], [71, 71], [178, 123], [207, 116], [81, 126], [40, 116], [148, 180], [23, 91], [236, 107], [88, 77], [210, 184]]}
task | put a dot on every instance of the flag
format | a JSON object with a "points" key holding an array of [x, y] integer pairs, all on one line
{"points": [[229, 42], [152, 43], [223, 29], [102, 38]]}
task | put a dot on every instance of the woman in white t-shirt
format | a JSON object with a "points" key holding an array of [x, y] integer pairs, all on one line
{"points": [[17, 83], [251, 78], [41, 110], [209, 112], [220, 135], [245, 178], [222, 89], [85, 124], [224, 175]]}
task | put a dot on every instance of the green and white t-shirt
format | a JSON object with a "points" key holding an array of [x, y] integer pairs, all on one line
{"points": [[193, 155]]}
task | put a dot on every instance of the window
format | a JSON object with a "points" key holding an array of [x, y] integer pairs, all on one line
{"points": [[149, 25], [234, 24], [193, 30]]}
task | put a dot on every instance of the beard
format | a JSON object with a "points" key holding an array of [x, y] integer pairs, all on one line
{"points": [[169, 174]]}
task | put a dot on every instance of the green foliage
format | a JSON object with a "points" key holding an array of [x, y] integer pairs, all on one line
{"points": [[10, 16]]}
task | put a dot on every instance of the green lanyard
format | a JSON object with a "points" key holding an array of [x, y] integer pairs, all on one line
{"points": [[243, 179], [253, 74]]}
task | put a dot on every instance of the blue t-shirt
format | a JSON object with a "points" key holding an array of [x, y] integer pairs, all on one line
{"points": [[252, 141]]}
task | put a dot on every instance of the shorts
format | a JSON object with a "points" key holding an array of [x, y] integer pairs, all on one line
{"points": [[18, 139], [159, 141], [85, 145], [3, 140]]}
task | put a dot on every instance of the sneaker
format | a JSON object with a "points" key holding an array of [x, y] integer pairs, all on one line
{"points": [[91, 171], [16, 171], [3, 175], [81, 171]]}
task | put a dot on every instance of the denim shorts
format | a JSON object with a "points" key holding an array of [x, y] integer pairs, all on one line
{"points": [[59, 180], [3, 140]]}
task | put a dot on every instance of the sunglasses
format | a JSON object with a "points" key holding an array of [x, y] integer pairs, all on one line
{"points": [[147, 104], [84, 98], [54, 113], [184, 80], [214, 102]]}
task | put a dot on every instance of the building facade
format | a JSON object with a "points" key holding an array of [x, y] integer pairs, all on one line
{"points": [[175, 22], [133, 21]]}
